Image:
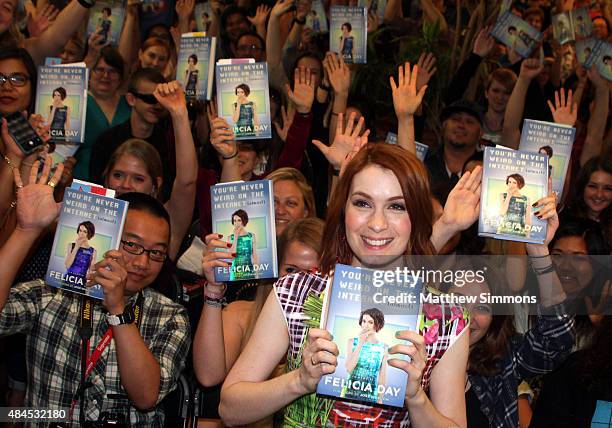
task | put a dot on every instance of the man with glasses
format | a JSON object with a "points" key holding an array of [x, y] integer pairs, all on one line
{"points": [[146, 336], [147, 122]]}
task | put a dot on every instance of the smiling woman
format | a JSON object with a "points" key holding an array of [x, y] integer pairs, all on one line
{"points": [[293, 197]]}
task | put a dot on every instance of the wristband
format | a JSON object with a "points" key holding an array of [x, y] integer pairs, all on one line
{"points": [[300, 21], [215, 295], [215, 303], [548, 269], [87, 4], [230, 157]]}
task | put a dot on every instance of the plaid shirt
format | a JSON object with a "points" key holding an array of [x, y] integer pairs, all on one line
{"points": [[50, 318], [537, 352], [293, 290]]}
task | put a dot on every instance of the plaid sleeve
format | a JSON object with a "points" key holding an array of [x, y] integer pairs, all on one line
{"points": [[23, 305], [170, 347], [546, 344]]}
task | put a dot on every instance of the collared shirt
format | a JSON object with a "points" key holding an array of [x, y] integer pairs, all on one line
{"points": [[537, 352], [50, 318]]}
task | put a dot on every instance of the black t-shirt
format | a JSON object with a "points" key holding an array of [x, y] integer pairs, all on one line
{"points": [[475, 417]]}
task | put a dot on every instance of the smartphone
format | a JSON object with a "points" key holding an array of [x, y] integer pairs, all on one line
{"points": [[22, 132]]}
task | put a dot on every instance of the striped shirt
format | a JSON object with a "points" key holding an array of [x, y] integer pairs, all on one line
{"points": [[50, 318]]}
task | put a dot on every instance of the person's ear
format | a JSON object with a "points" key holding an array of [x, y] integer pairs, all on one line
{"points": [[131, 99]]}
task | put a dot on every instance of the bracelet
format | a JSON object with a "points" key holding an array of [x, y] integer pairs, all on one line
{"points": [[548, 269], [86, 4], [230, 157], [539, 257], [299, 21], [326, 88], [10, 164], [215, 295], [215, 303]]}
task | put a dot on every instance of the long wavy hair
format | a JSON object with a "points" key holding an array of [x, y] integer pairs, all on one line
{"points": [[413, 179]]}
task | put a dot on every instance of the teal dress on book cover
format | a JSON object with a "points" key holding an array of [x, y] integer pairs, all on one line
{"points": [[245, 118], [242, 266], [515, 215], [366, 371]]}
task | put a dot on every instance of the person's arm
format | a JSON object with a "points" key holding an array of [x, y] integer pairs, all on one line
{"points": [[36, 209], [511, 134], [599, 115], [273, 36], [248, 380], [129, 41], [71, 252], [222, 139], [254, 258], [382, 375], [184, 11], [406, 101], [504, 202], [58, 34], [259, 20], [67, 124], [255, 118], [339, 77], [352, 355], [182, 199], [432, 15]]}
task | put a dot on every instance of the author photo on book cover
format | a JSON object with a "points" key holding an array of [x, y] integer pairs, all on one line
{"points": [[347, 42], [191, 76], [366, 359], [244, 246], [514, 210], [59, 113], [80, 255], [245, 111]]}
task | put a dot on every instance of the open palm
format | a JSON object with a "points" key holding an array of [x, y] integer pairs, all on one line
{"points": [[463, 204], [344, 142]]}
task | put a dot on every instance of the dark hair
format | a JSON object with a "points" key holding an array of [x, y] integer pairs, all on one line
{"points": [[149, 74], [167, 36], [89, 226], [504, 76], [510, 28], [22, 55], [520, 181], [547, 149], [534, 11], [414, 182], [112, 57], [107, 10], [252, 34], [244, 87], [308, 231], [142, 202], [348, 26], [243, 216], [377, 316], [233, 10], [61, 91], [194, 57], [607, 58], [578, 206], [587, 229]]}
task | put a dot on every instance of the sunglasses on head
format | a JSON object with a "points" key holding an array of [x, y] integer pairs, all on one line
{"points": [[147, 98]]}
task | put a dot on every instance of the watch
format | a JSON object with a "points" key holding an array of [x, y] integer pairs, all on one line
{"points": [[127, 317]]}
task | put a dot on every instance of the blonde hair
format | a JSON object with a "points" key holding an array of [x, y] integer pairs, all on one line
{"points": [[298, 178]]}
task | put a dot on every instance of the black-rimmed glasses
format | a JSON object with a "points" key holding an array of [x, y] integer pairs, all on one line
{"points": [[137, 249]]}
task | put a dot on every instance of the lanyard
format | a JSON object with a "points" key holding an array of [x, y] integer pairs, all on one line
{"points": [[85, 331]]}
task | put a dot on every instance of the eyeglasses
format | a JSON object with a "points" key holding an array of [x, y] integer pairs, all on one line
{"points": [[147, 98], [109, 71], [248, 48], [16, 79], [137, 249]]}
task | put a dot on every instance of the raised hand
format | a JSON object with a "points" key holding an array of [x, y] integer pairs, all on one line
{"points": [[36, 207], [303, 92], [111, 274], [546, 209], [596, 79], [184, 9], [261, 14], [281, 7], [319, 357], [463, 203], [530, 68], [303, 8], [344, 142], [415, 366], [43, 19], [565, 111], [287, 115], [212, 259], [406, 99], [427, 68], [171, 96], [222, 138], [483, 43], [338, 73], [373, 21]]}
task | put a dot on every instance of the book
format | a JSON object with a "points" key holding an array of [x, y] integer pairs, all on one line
{"points": [[553, 140], [106, 18], [516, 34], [584, 50], [421, 149], [376, 6], [194, 67], [348, 33], [52, 60], [203, 16], [602, 59], [572, 25], [512, 181], [93, 188], [363, 312], [95, 220], [243, 98], [316, 19], [243, 212], [61, 98]]}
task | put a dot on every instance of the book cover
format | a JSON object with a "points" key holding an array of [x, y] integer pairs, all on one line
{"points": [[316, 19], [193, 69], [563, 30], [421, 149], [553, 140], [93, 188], [52, 60], [89, 225], [61, 98], [106, 18], [602, 59], [203, 16], [581, 21], [512, 181], [376, 6], [243, 99], [348, 33], [243, 212], [516, 34], [584, 50], [363, 313]]}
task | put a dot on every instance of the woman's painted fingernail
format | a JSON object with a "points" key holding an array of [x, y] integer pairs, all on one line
{"points": [[220, 235], [228, 245], [535, 204], [537, 213]]}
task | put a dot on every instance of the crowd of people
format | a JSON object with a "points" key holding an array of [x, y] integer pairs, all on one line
{"points": [[341, 194]]}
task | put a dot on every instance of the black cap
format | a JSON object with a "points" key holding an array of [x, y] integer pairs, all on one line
{"points": [[465, 106]]}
